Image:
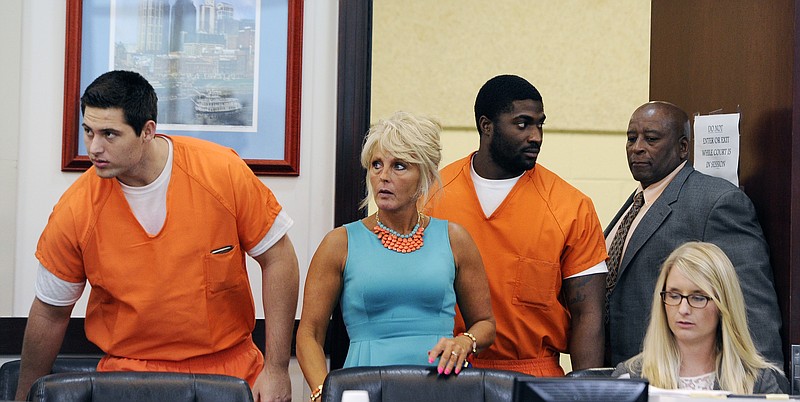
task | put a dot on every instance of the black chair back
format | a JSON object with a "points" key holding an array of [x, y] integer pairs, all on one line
{"points": [[9, 372], [140, 387], [421, 383], [592, 372]]}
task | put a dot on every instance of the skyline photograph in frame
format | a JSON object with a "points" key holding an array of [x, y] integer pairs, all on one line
{"points": [[229, 72], [200, 56]]}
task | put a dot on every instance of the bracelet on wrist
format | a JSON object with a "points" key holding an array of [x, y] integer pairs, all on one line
{"points": [[474, 341], [317, 393]]}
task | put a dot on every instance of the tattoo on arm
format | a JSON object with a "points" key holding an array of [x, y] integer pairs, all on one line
{"points": [[574, 293]]}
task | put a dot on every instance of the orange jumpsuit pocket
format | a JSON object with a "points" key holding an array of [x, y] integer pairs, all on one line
{"points": [[222, 269], [536, 283]]}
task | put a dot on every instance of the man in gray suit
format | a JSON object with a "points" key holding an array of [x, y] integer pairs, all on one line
{"points": [[680, 205]]}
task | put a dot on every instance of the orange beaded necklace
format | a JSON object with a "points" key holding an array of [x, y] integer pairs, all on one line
{"points": [[401, 243]]}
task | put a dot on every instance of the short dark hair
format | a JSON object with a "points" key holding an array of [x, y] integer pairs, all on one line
{"points": [[126, 90], [497, 95]]}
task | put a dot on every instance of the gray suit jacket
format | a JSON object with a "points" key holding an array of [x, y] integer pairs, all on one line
{"points": [[768, 381], [693, 207]]}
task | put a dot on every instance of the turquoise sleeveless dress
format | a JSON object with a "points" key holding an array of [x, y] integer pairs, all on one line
{"points": [[397, 306]]}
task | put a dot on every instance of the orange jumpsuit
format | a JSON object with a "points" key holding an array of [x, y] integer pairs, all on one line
{"points": [[544, 231], [164, 302]]}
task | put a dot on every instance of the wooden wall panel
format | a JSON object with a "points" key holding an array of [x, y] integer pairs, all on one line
{"points": [[740, 55], [352, 122]]}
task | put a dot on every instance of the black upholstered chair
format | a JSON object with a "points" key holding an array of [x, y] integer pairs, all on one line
{"points": [[421, 383], [592, 372], [140, 387], [9, 372]]}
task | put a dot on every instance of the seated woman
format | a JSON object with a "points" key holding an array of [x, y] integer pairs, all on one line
{"points": [[698, 337], [397, 272]]}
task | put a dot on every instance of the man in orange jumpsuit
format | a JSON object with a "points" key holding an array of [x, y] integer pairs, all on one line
{"points": [[540, 239], [159, 226]]}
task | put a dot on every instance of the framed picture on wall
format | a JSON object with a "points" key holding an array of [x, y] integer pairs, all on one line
{"points": [[228, 71]]}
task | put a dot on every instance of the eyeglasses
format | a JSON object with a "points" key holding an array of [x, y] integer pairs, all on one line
{"points": [[674, 299]]}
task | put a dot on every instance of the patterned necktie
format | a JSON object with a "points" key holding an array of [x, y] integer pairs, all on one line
{"points": [[615, 250]]}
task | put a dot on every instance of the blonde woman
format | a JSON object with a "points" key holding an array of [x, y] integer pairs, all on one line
{"points": [[698, 336], [397, 273]]}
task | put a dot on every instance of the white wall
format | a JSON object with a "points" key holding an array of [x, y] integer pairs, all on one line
{"points": [[10, 28], [307, 198]]}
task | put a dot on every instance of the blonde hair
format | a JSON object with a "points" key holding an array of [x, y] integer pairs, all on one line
{"points": [[737, 361], [410, 138]]}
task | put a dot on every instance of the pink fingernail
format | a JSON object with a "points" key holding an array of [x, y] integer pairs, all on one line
{"points": [[446, 372], [439, 370], [430, 360], [458, 371]]}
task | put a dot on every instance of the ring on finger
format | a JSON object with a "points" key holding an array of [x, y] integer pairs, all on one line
{"points": [[454, 353]]}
